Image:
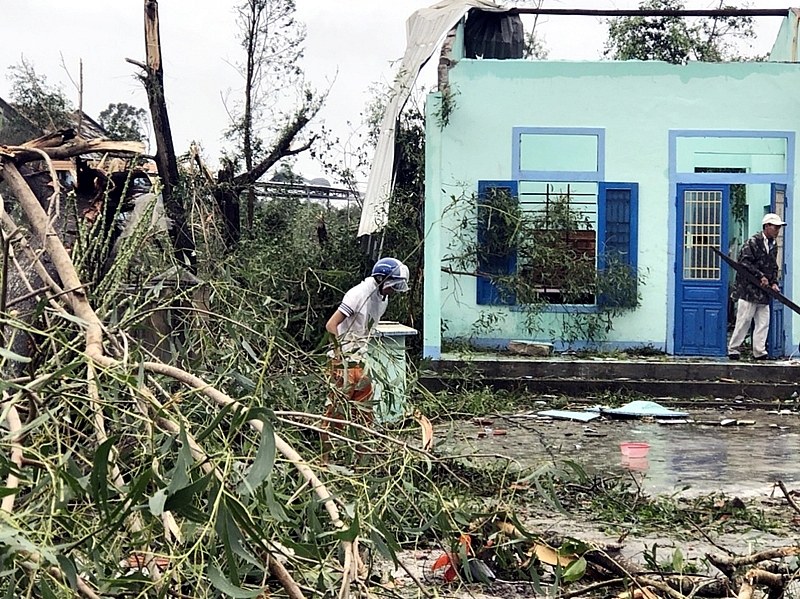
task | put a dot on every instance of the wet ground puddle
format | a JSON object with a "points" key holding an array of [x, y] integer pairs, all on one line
{"points": [[744, 458]]}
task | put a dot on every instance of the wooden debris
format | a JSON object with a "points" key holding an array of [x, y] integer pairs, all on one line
{"points": [[551, 557]]}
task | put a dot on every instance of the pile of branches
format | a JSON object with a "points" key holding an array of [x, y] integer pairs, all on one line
{"points": [[499, 550], [124, 474]]}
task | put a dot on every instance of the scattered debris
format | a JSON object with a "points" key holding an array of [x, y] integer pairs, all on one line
{"points": [[639, 409], [530, 348], [426, 428], [498, 432], [570, 415]]}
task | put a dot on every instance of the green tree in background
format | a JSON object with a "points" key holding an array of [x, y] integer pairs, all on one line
{"points": [[43, 104], [676, 40], [273, 44], [124, 122]]}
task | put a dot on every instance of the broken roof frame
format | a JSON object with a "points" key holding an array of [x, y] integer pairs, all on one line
{"points": [[425, 30]]}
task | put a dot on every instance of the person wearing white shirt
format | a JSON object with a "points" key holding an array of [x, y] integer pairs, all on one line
{"points": [[351, 326]]}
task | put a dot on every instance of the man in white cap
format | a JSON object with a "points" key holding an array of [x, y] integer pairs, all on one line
{"points": [[759, 255]]}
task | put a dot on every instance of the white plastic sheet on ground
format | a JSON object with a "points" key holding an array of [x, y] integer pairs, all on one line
{"points": [[425, 31]]}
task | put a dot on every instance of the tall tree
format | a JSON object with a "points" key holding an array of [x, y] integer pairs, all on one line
{"points": [[676, 39], [123, 121], [166, 161], [45, 105], [273, 43]]}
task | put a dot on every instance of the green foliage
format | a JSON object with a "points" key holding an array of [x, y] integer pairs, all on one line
{"points": [[43, 104], [676, 40], [124, 122], [556, 263], [620, 504], [675, 562], [468, 397], [286, 264], [285, 174], [446, 107], [499, 224]]}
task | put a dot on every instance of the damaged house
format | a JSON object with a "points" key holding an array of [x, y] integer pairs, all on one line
{"points": [[646, 166]]}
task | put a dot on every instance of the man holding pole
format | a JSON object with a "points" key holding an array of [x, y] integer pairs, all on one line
{"points": [[759, 256]]}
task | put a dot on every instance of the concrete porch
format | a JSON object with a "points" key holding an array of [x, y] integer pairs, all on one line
{"points": [[662, 376]]}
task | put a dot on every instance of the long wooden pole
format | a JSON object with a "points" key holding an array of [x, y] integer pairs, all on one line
{"points": [[165, 151], [747, 275]]}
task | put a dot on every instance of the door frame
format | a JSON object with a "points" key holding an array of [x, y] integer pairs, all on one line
{"points": [[718, 287], [679, 177], [776, 338]]}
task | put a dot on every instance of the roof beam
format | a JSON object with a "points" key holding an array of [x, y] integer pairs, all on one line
{"points": [[590, 12]]}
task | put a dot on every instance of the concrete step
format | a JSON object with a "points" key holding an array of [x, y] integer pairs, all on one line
{"points": [[680, 379], [771, 392]]}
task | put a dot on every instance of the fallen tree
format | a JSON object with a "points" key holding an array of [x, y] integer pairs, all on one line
{"points": [[69, 290]]}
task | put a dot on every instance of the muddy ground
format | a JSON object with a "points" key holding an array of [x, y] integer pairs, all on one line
{"points": [[743, 459]]}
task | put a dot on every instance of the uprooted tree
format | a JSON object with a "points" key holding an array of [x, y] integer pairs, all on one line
{"points": [[97, 473]]}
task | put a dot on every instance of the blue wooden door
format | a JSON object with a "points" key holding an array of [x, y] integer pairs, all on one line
{"points": [[701, 279], [776, 340]]}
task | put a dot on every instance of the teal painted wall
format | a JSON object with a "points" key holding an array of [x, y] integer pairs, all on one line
{"points": [[637, 103]]}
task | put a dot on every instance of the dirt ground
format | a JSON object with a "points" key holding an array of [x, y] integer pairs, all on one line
{"points": [[744, 459], [695, 456]]}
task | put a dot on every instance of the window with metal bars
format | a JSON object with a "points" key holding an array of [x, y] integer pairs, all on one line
{"points": [[594, 224]]}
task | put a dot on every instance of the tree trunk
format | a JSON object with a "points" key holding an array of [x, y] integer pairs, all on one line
{"points": [[252, 39], [27, 280], [165, 152], [228, 202]]}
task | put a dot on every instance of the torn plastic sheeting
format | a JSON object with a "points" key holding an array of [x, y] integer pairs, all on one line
{"points": [[639, 409], [568, 415], [425, 30]]}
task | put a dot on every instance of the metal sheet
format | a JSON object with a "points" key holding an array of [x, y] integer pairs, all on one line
{"points": [[425, 30]]}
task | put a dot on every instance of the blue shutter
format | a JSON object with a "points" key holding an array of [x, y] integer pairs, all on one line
{"points": [[489, 292], [618, 206]]}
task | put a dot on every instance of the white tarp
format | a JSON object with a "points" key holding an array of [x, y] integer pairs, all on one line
{"points": [[425, 31]]}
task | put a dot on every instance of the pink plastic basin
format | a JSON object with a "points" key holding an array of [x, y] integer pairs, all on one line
{"points": [[634, 450]]}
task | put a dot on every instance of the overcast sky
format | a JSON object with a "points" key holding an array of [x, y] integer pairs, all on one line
{"points": [[351, 44]]}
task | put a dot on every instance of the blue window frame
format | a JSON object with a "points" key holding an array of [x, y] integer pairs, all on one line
{"points": [[617, 228], [521, 173]]}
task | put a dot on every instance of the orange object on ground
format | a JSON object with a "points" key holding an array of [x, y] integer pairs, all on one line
{"points": [[451, 560]]}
